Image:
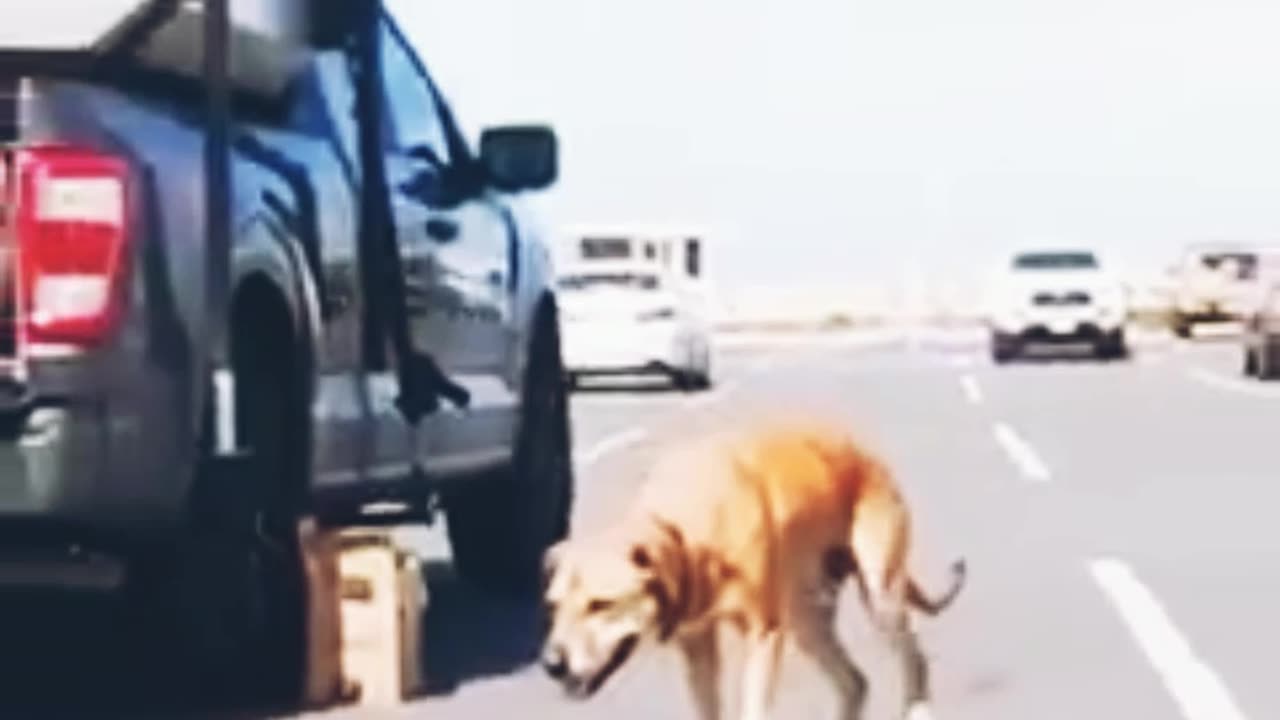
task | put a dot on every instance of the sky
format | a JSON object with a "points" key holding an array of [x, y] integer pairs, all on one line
{"points": [[870, 142], [850, 141]]}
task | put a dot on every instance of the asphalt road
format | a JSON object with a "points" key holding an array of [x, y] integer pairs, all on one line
{"points": [[1118, 520]]}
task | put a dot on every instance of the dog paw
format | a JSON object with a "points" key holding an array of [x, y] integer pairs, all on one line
{"points": [[919, 711]]}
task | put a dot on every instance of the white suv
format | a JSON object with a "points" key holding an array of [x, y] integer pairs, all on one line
{"points": [[1057, 296]]}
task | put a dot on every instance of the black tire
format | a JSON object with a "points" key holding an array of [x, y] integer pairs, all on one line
{"points": [[1182, 329], [1266, 363], [501, 525], [1250, 365], [228, 598], [1113, 347], [704, 381], [1003, 350], [684, 381]]}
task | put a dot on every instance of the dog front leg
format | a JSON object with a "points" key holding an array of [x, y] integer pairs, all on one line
{"points": [[760, 674], [702, 669]]}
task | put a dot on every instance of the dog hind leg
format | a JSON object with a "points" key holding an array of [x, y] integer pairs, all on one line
{"points": [[702, 669], [914, 666], [760, 674], [813, 624]]}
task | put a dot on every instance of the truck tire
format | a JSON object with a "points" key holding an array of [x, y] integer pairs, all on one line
{"points": [[500, 526], [227, 599], [1113, 346], [1250, 364], [1003, 349], [1267, 369], [1182, 328]]}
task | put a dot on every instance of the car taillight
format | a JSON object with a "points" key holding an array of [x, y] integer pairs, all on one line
{"points": [[71, 224]]}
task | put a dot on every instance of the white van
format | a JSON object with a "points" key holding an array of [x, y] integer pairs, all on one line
{"points": [[635, 302]]}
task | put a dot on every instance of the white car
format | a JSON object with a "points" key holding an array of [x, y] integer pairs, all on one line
{"points": [[633, 319], [1057, 297]]}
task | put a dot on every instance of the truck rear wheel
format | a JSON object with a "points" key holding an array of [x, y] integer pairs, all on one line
{"points": [[500, 526], [226, 601]]}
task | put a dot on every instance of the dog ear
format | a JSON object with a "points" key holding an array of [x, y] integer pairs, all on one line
{"points": [[551, 559]]}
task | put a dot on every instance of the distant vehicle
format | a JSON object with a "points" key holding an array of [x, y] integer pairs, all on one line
{"points": [[1261, 318], [1054, 297], [1212, 285], [634, 302]]}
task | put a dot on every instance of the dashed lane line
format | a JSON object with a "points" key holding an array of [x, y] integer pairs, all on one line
{"points": [[972, 390], [1021, 453]]}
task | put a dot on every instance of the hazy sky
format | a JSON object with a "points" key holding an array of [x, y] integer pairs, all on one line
{"points": [[842, 137]]}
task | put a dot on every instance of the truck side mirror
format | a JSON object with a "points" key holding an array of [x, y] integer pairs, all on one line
{"points": [[516, 158]]}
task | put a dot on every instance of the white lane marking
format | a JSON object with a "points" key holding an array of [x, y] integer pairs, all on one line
{"points": [[708, 398], [972, 391], [1242, 386], [1021, 453], [1193, 683], [610, 444]]}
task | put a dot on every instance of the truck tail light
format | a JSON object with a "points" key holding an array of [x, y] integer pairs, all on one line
{"points": [[71, 226]]}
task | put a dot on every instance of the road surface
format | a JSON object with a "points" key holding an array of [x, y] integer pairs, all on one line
{"points": [[1118, 521]]}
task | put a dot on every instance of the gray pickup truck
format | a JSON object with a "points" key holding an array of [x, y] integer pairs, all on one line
{"points": [[391, 337]]}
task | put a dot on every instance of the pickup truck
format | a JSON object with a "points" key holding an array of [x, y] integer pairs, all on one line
{"points": [[391, 337]]}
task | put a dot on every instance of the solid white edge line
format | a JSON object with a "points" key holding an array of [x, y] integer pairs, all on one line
{"points": [[1232, 384], [1194, 685], [972, 391], [610, 444], [1021, 453]]}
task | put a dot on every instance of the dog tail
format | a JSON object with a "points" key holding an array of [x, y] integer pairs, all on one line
{"points": [[931, 606]]}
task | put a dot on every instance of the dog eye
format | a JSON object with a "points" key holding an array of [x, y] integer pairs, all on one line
{"points": [[596, 606]]}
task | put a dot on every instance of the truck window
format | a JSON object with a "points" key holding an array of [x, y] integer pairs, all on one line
{"points": [[328, 97], [1055, 261], [416, 120]]}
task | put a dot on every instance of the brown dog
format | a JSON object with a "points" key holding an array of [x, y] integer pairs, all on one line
{"points": [[756, 531]]}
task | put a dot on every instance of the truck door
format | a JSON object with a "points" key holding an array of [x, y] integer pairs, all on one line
{"points": [[457, 250]]}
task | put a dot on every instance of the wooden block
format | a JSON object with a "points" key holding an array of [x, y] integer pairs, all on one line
{"points": [[383, 598], [413, 591], [325, 683]]}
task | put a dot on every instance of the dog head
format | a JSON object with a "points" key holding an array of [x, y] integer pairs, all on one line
{"points": [[605, 596]]}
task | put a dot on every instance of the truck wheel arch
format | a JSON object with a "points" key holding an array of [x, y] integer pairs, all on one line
{"points": [[268, 254]]}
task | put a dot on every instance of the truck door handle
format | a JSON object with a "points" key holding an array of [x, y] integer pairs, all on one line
{"points": [[441, 230]]}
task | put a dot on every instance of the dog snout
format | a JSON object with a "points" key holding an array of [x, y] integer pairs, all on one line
{"points": [[555, 663]]}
